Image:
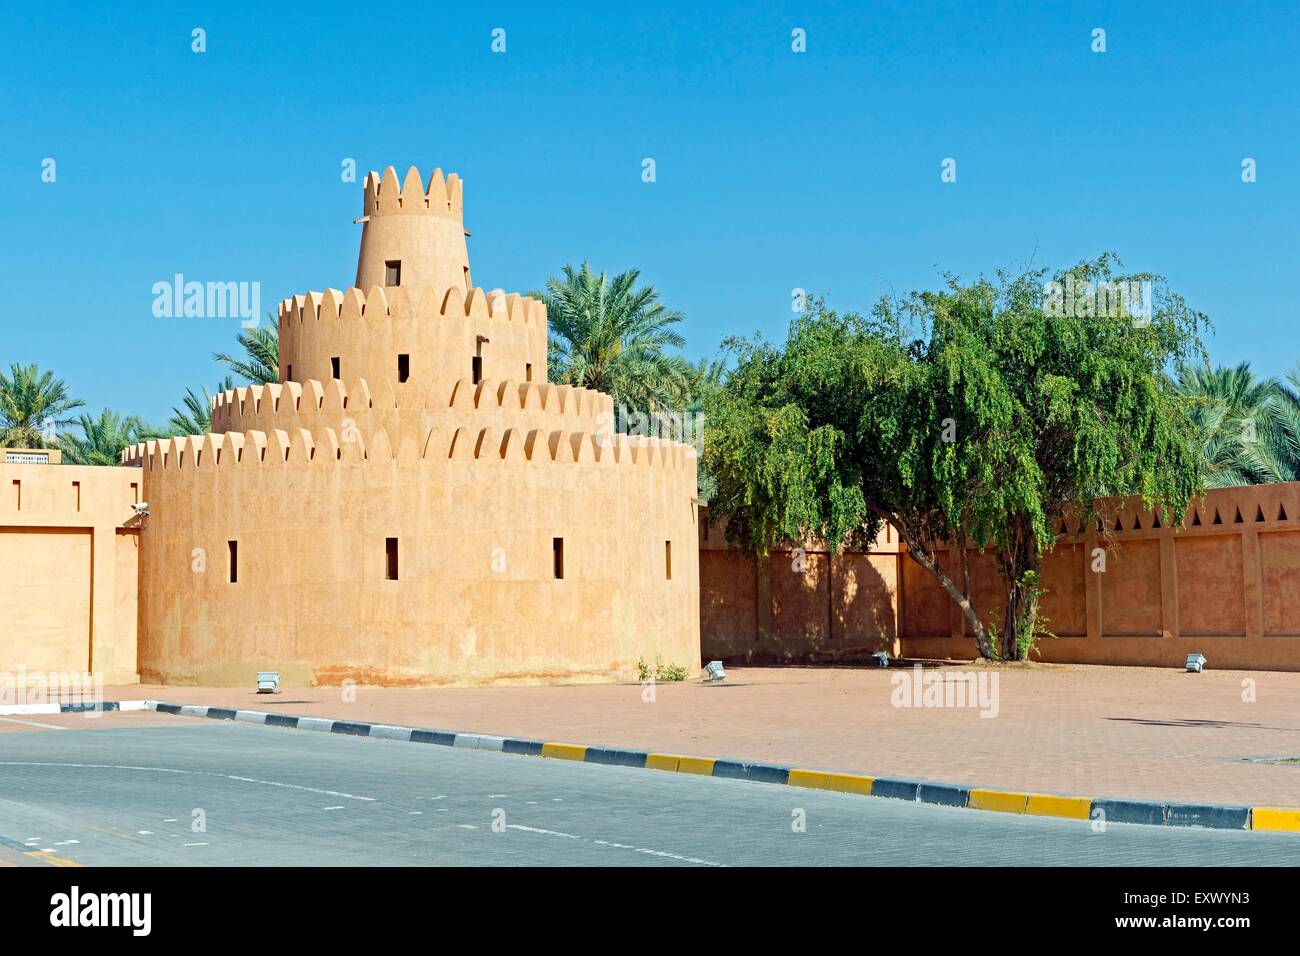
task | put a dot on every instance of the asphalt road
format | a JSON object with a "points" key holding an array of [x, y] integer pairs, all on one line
{"points": [[134, 796]]}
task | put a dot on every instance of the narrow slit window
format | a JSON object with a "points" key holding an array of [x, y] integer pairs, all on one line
{"points": [[390, 555], [18, 494], [76, 493], [393, 272], [668, 560], [232, 549], [135, 492], [403, 367], [476, 369], [288, 374], [528, 371], [334, 367], [557, 553]]}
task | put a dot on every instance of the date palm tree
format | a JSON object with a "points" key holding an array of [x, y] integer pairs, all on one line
{"points": [[33, 404], [1249, 427], [610, 335], [260, 363], [102, 439], [194, 415]]}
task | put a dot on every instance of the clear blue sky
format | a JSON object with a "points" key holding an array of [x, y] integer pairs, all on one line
{"points": [[775, 170]]}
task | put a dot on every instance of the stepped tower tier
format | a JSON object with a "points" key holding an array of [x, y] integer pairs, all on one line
{"points": [[413, 233]]}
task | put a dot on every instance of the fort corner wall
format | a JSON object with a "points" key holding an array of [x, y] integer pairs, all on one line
{"points": [[69, 545]]}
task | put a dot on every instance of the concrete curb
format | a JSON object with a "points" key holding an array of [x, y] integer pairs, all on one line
{"points": [[1105, 809]]}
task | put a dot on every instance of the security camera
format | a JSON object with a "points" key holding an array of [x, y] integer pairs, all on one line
{"points": [[141, 508]]}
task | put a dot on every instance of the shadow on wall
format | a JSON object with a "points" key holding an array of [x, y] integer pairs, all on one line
{"points": [[797, 606]]}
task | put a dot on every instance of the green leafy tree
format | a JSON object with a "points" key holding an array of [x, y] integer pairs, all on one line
{"points": [[1249, 428], [33, 404], [707, 377], [610, 335], [967, 416], [194, 415], [103, 439], [260, 362]]}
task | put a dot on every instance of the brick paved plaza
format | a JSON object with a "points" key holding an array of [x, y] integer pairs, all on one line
{"points": [[1095, 731]]}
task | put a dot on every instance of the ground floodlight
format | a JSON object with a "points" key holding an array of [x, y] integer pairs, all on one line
{"points": [[268, 682], [715, 670], [881, 658], [1195, 663]]}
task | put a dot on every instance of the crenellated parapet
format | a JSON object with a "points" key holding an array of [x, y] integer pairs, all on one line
{"points": [[384, 196], [411, 408], [380, 305], [327, 446]]}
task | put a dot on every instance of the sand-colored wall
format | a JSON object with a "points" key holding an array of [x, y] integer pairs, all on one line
{"points": [[68, 569], [1226, 586]]}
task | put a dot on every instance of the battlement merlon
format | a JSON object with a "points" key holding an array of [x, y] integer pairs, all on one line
{"points": [[413, 233], [413, 301], [385, 197], [327, 447]]}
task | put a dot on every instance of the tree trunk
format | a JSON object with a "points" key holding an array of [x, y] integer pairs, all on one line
{"points": [[921, 554], [1020, 561]]}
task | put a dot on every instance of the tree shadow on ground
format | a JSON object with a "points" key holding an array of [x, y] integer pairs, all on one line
{"points": [[1189, 722]]}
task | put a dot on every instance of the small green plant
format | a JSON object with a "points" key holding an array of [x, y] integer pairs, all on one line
{"points": [[668, 673]]}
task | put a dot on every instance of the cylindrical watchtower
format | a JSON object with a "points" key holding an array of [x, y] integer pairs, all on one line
{"points": [[413, 236]]}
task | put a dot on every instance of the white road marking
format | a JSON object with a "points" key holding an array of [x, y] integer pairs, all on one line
{"points": [[194, 773], [198, 844], [333, 808], [170, 820], [293, 786], [66, 842], [567, 836], [144, 832], [664, 854], [467, 826], [32, 723]]}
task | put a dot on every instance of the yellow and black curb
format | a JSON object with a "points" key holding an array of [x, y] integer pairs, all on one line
{"points": [[918, 791], [37, 856]]}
